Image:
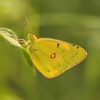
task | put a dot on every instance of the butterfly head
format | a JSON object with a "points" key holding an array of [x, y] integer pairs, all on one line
{"points": [[32, 37]]}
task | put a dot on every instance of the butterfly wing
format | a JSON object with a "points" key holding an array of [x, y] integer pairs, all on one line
{"points": [[52, 57]]}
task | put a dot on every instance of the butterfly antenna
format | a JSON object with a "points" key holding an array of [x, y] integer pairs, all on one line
{"points": [[29, 26]]}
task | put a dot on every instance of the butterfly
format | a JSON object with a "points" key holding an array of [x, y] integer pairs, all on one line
{"points": [[52, 57]]}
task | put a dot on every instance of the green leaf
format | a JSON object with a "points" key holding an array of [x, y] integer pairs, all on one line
{"points": [[11, 37]]}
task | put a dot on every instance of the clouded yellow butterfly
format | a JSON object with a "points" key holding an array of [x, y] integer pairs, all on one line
{"points": [[53, 57]]}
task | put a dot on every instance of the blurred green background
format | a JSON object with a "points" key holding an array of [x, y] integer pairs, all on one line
{"points": [[75, 21]]}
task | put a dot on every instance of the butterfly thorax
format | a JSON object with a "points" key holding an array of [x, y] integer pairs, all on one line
{"points": [[31, 40]]}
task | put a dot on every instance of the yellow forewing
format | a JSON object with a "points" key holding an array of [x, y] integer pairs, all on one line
{"points": [[52, 57]]}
